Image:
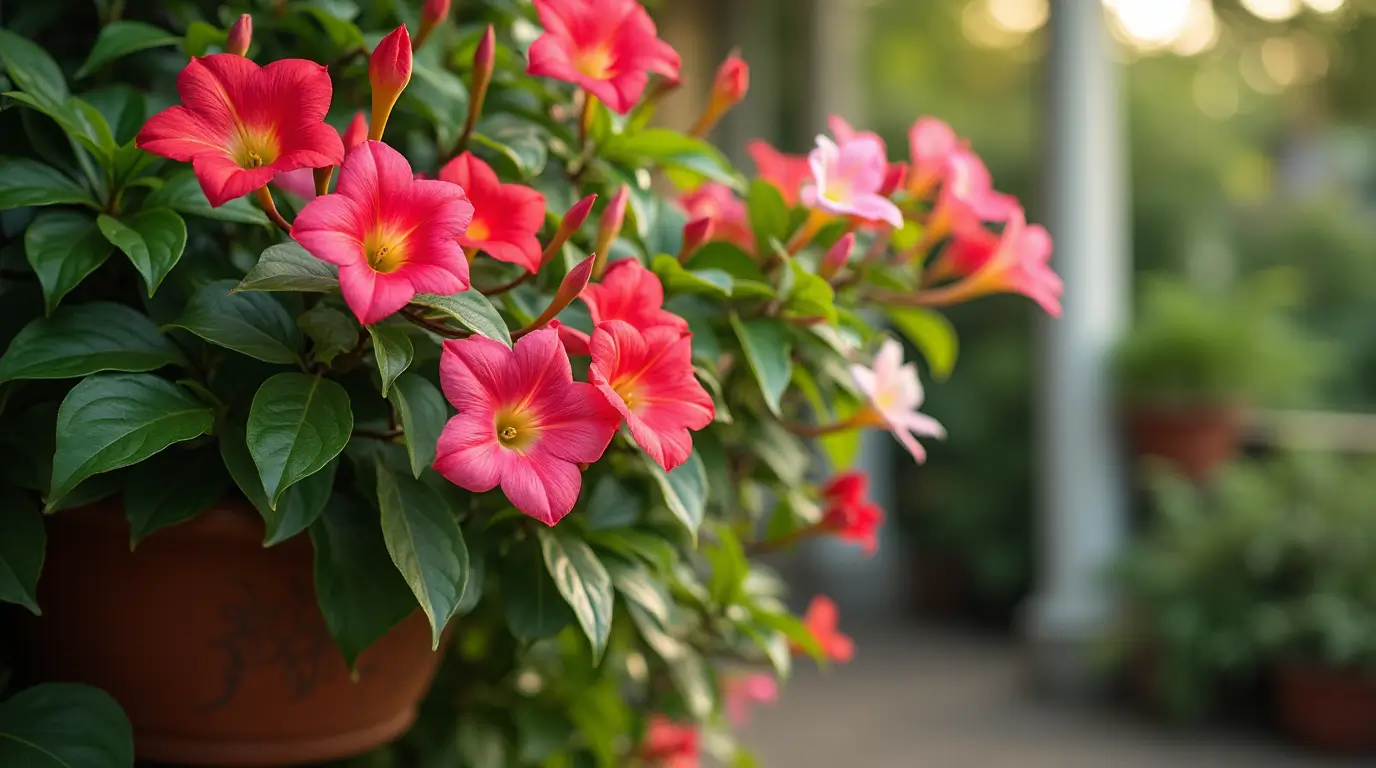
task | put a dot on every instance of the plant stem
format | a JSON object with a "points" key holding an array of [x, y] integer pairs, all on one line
{"points": [[435, 327], [264, 196]]}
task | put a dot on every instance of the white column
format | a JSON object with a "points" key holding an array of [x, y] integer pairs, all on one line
{"points": [[1083, 506]]}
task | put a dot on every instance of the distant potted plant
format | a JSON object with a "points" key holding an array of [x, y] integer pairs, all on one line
{"points": [[1195, 361]]}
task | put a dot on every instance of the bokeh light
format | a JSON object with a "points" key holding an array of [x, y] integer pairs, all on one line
{"points": [[1152, 24], [1022, 16], [1326, 6], [1201, 30], [1272, 10]]}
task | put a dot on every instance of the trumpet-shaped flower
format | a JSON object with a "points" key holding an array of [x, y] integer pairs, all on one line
{"points": [[822, 619], [239, 125], [391, 235], [931, 145], [1016, 261], [301, 182], [648, 377], [523, 422], [506, 217], [719, 204], [967, 198], [607, 47], [628, 291], [895, 393], [670, 745], [849, 512], [786, 172], [847, 179]]}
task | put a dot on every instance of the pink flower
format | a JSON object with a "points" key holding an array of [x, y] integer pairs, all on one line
{"points": [[392, 236], [837, 257], [239, 125], [849, 513], [786, 172], [822, 620], [630, 292], [895, 393], [847, 180], [743, 691], [1017, 261], [389, 72], [670, 745], [523, 422], [967, 198], [357, 132], [607, 47], [506, 217], [931, 145], [648, 376], [719, 203], [844, 134], [729, 86], [240, 36]]}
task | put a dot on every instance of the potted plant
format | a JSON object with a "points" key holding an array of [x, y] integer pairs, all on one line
{"points": [[1192, 364], [337, 361]]}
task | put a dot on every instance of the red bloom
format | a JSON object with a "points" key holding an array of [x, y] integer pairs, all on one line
{"points": [[821, 620], [719, 203], [357, 132], [967, 198], [1016, 261], [850, 514], [393, 236], [787, 172], [648, 377], [607, 47], [670, 745], [630, 292], [523, 422], [240, 124], [506, 217]]}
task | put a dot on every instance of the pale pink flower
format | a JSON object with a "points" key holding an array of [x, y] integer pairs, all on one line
{"points": [[895, 393], [847, 180], [743, 691], [931, 145]]}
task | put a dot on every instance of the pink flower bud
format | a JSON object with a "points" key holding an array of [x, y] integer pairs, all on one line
{"points": [[431, 14], [728, 88], [240, 35], [389, 71], [613, 218], [695, 233], [483, 62], [837, 257], [573, 219], [569, 288], [357, 132], [894, 176]]}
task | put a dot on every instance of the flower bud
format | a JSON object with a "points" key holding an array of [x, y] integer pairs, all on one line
{"points": [[695, 233], [483, 62], [613, 218], [837, 257], [240, 35], [569, 288], [573, 219], [728, 88], [357, 132], [894, 176], [389, 70], [431, 14]]}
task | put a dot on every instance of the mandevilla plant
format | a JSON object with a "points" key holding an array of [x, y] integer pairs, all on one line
{"points": [[416, 342]]}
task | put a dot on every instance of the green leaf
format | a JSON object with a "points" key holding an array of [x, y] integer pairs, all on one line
{"points": [[426, 545], [171, 488], [671, 149], [729, 567], [343, 33], [612, 505], [64, 725], [583, 581], [639, 587], [472, 310], [676, 279], [113, 420], [26, 182], [442, 98], [87, 338], [32, 69], [153, 240], [810, 296], [684, 489], [690, 673], [81, 121], [361, 594], [64, 247], [521, 143], [299, 506], [768, 212], [121, 38], [769, 353], [289, 267], [297, 424], [796, 631], [531, 601], [393, 352], [932, 334], [332, 333], [200, 36], [421, 409], [651, 548], [21, 548], [124, 107], [182, 193], [251, 323]]}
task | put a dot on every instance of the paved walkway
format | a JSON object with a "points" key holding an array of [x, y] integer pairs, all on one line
{"points": [[934, 698]]}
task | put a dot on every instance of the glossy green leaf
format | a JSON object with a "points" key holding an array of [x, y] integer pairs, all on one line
{"points": [[684, 489], [583, 581], [289, 267], [32, 69], [26, 182], [361, 594], [651, 548], [297, 424], [639, 587], [170, 488], [676, 279], [421, 409], [795, 630], [182, 193], [64, 247], [78, 119], [933, 335], [64, 725], [332, 332], [121, 38], [251, 323], [153, 240], [768, 350], [810, 296], [299, 506], [672, 149], [690, 674], [533, 606], [21, 548], [748, 280], [728, 565], [200, 36], [768, 211], [125, 109], [523, 144], [442, 98], [88, 338], [612, 505], [113, 420], [393, 351], [472, 310], [426, 544]]}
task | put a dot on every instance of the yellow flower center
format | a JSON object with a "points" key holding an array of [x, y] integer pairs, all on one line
{"points": [[625, 388], [384, 250], [254, 149], [515, 429], [595, 62], [479, 230]]}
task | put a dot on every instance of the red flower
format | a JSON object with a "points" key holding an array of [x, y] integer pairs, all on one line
{"points": [[240, 124], [506, 217], [630, 292], [931, 145], [357, 132], [1016, 261], [719, 203], [670, 745], [741, 692], [393, 236], [523, 422], [787, 172], [648, 377], [607, 47], [850, 514], [967, 198], [821, 620]]}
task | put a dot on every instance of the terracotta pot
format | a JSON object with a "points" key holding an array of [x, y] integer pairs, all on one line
{"points": [[215, 646], [1195, 439], [1330, 709]]}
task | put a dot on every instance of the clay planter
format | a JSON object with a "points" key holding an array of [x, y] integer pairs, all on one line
{"points": [[1195, 438], [1330, 709], [215, 646]]}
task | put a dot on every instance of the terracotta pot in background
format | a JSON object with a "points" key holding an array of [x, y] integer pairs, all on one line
{"points": [[1330, 709], [1195, 439], [215, 646]]}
